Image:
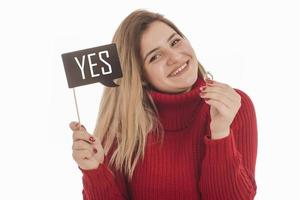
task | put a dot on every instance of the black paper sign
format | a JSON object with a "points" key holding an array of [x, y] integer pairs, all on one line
{"points": [[98, 64]]}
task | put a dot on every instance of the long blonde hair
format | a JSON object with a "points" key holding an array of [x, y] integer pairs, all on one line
{"points": [[127, 113]]}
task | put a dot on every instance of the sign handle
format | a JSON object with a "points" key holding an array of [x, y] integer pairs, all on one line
{"points": [[77, 108]]}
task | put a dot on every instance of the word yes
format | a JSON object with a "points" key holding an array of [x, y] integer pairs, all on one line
{"points": [[91, 65]]}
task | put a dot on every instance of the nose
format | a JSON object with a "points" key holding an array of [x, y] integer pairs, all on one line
{"points": [[173, 57]]}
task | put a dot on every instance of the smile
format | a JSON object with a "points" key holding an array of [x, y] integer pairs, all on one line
{"points": [[180, 70]]}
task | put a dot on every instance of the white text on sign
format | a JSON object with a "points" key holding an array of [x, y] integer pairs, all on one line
{"points": [[91, 65]]}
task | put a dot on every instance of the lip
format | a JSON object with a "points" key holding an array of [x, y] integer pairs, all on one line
{"points": [[187, 62]]}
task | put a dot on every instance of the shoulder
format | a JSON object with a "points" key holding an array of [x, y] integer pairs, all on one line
{"points": [[246, 101], [246, 113]]}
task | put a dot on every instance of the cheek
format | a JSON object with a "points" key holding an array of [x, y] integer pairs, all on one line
{"points": [[157, 70], [188, 48], [190, 51]]}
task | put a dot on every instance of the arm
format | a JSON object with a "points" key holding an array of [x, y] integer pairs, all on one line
{"points": [[228, 168]]}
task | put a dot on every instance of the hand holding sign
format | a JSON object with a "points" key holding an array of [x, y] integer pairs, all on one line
{"points": [[99, 64], [87, 150]]}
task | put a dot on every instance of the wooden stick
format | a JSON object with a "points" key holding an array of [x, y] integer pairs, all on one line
{"points": [[77, 108]]}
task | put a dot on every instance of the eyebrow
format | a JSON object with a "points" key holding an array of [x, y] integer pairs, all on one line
{"points": [[155, 49]]}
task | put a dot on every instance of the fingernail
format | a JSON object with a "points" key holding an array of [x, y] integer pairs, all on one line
{"points": [[95, 150], [202, 88], [92, 139]]}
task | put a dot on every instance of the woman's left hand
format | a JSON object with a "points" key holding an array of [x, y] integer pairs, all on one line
{"points": [[224, 104]]}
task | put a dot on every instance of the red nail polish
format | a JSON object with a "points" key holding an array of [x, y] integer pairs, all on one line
{"points": [[92, 139], [95, 150], [202, 88]]}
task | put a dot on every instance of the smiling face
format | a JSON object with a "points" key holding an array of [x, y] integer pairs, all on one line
{"points": [[169, 60]]}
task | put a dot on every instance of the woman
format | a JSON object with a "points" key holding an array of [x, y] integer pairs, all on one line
{"points": [[165, 132]]}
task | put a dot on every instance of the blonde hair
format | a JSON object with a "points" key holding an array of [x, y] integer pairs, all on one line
{"points": [[127, 113]]}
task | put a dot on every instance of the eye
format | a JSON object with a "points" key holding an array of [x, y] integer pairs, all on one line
{"points": [[153, 58], [174, 42]]}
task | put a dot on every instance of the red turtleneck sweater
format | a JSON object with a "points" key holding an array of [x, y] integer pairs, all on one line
{"points": [[189, 165]]}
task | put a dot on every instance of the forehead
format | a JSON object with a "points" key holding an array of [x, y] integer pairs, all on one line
{"points": [[155, 35]]}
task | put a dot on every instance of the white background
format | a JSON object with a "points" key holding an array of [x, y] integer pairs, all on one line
{"points": [[250, 45]]}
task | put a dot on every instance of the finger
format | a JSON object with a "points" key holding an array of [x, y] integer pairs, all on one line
{"points": [[75, 126], [218, 97], [218, 84], [83, 135], [81, 154], [222, 108], [82, 145], [230, 95], [98, 150]]}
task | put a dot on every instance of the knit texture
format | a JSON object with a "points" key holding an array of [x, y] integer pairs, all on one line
{"points": [[189, 164]]}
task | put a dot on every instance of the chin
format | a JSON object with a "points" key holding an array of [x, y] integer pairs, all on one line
{"points": [[190, 80], [184, 87], [187, 90], [183, 90]]}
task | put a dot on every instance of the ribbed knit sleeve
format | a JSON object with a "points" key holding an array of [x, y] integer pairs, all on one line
{"points": [[103, 183], [228, 168]]}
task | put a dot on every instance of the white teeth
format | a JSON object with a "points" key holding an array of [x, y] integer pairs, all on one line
{"points": [[179, 69]]}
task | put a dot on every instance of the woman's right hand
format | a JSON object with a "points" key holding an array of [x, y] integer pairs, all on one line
{"points": [[87, 150]]}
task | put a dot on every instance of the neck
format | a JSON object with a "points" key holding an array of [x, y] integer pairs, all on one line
{"points": [[176, 111]]}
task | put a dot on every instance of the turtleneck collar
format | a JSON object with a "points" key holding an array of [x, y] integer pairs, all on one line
{"points": [[176, 111]]}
